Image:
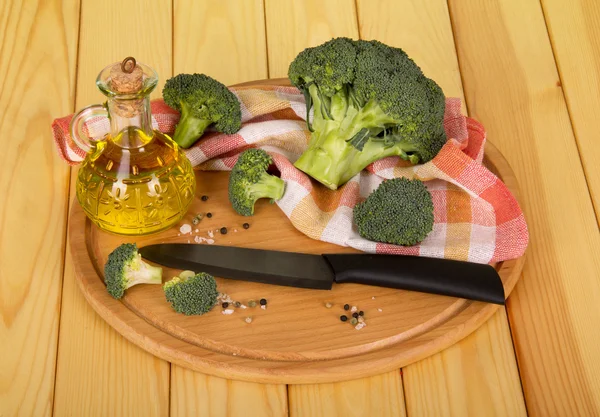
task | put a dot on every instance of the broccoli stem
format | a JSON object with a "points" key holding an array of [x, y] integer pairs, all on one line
{"points": [[189, 128], [144, 273], [330, 158], [269, 186]]}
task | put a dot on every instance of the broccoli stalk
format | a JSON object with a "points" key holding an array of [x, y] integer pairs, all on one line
{"points": [[125, 268], [399, 211], [249, 181], [202, 101], [370, 101]]}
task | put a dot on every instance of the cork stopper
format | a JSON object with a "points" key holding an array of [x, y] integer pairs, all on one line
{"points": [[127, 78]]}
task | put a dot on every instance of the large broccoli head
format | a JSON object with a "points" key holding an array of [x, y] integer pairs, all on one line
{"points": [[202, 101], [249, 181], [192, 294], [125, 268], [370, 101], [399, 211]]}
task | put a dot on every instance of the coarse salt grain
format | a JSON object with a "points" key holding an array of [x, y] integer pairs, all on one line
{"points": [[211, 234], [263, 307], [360, 319], [380, 310], [242, 306], [235, 230], [196, 231], [360, 325], [185, 229], [248, 319], [210, 241], [227, 311], [372, 298], [353, 309]]}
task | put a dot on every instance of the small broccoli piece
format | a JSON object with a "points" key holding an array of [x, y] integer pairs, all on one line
{"points": [[192, 295], [125, 268], [370, 101], [202, 101], [399, 211], [249, 181]]}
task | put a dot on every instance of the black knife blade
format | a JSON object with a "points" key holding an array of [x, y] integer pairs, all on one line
{"points": [[468, 280]]}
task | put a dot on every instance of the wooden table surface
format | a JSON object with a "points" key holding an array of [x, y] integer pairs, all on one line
{"points": [[529, 70]]}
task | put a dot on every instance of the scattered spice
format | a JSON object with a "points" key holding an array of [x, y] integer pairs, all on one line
{"points": [[346, 307], [237, 304], [328, 305], [195, 221], [263, 302], [223, 230], [225, 304], [209, 215], [343, 317], [248, 319], [355, 315], [252, 303], [204, 198], [361, 319], [361, 313], [354, 321], [353, 309], [246, 226]]}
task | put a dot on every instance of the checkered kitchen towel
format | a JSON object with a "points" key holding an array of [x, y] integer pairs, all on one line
{"points": [[476, 216]]}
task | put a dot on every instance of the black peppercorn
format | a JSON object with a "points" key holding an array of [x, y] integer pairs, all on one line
{"points": [[263, 302], [225, 304], [346, 307], [355, 315], [204, 198], [209, 215], [223, 230], [245, 225], [361, 313], [343, 318]]}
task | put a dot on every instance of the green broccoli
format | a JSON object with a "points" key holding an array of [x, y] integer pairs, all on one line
{"points": [[191, 294], [125, 268], [399, 211], [202, 101], [370, 101], [249, 181]]}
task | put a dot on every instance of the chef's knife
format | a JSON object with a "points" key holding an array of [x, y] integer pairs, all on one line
{"points": [[472, 281]]}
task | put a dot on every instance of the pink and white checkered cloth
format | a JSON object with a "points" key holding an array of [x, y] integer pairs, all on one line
{"points": [[476, 217]]}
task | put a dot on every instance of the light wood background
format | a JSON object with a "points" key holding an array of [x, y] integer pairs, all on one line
{"points": [[527, 69]]}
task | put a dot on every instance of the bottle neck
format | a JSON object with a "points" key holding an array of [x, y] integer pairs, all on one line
{"points": [[130, 121]]}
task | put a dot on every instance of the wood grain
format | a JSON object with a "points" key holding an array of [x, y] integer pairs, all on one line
{"points": [[474, 377], [233, 31], [98, 371], [425, 33], [295, 25], [574, 29], [510, 80], [196, 394], [380, 395], [224, 39], [34, 189]]}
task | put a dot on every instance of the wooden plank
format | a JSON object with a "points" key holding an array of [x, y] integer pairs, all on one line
{"points": [[37, 86], [510, 80], [314, 22], [295, 25], [196, 394], [474, 377], [423, 30], [223, 39], [380, 396], [575, 35], [98, 371], [234, 31]]}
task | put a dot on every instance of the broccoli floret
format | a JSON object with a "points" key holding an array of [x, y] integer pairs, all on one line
{"points": [[399, 211], [192, 295], [249, 181], [202, 101], [125, 268], [370, 101]]}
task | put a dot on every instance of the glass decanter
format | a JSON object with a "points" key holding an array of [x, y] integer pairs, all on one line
{"points": [[134, 180]]}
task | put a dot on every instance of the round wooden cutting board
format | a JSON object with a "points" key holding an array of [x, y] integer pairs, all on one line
{"points": [[297, 339]]}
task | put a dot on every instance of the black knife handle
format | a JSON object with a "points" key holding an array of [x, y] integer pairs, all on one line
{"points": [[479, 282]]}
